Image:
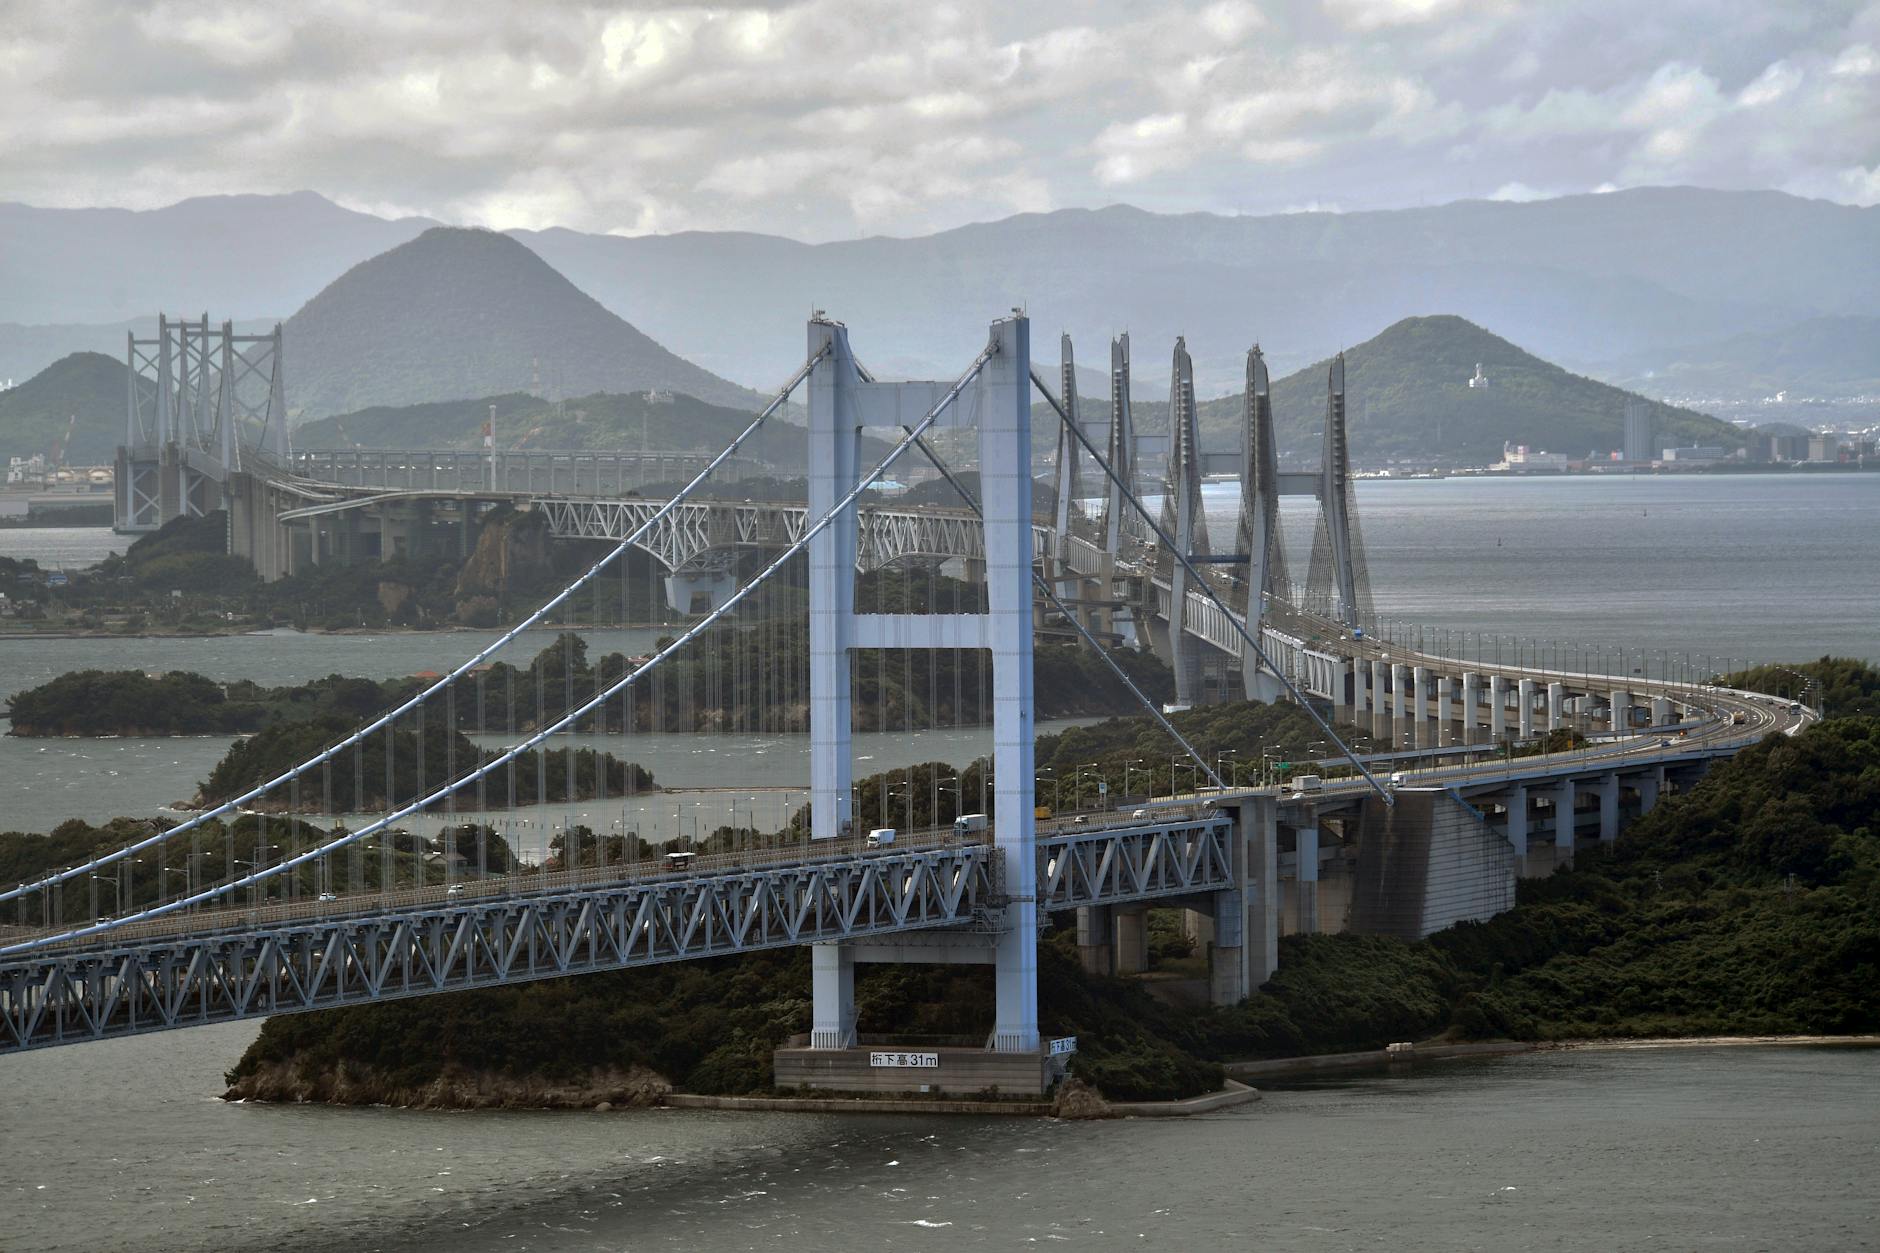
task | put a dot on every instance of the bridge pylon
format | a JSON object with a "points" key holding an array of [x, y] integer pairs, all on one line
{"points": [[842, 404], [1258, 532], [199, 397]]}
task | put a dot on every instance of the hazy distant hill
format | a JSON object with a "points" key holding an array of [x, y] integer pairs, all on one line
{"points": [[1583, 278], [35, 414], [26, 350], [1821, 357], [1407, 392], [460, 314], [232, 256], [611, 422], [1580, 278]]}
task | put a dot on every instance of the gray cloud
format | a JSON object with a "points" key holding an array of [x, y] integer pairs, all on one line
{"points": [[828, 118]]}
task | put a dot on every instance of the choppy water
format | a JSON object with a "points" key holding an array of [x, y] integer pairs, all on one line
{"points": [[119, 1146], [63, 547]]}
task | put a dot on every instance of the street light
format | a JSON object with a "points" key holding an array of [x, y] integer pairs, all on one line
{"points": [[1126, 768]]}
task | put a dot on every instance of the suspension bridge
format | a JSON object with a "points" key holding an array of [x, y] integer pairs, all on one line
{"points": [[1434, 830]]}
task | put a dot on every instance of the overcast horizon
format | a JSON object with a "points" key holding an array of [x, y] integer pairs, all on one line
{"points": [[814, 121]]}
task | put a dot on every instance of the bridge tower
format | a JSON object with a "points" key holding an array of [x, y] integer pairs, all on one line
{"points": [[1258, 533], [842, 404], [197, 395], [1335, 499], [1118, 518], [1183, 519]]}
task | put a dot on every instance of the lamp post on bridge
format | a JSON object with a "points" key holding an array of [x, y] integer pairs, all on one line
{"points": [[1126, 768]]}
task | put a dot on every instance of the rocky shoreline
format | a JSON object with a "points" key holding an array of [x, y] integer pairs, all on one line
{"points": [[288, 1083]]}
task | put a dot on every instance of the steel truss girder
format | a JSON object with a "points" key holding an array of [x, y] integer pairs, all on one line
{"points": [[1135, 863], [709, 535], [194, 980]]}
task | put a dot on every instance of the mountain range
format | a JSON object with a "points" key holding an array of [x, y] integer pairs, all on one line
{"points": [[1594, 279]]}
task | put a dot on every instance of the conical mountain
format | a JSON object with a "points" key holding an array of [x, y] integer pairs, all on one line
{"points": [[455, 314], [1407, 394], [86, 386]]}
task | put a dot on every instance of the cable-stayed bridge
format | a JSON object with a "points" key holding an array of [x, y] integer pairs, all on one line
{"points": [[346, 913]]}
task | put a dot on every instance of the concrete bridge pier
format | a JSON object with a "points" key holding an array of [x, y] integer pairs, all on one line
{"points": [[1420, 704], [1096, 939], [1399, 692], [1556, 700], [1445, 711], [1525, 695], [832, 982], [1661, 711], [1257, 903], [1359, 704], [1471, 687], [1342, 693], [1131, 945], [1517, 802], [1564, 800], [1497, 708], [1621, 717], [1648, 786], [1608, 807], [1306, 875], [1380, 699]]}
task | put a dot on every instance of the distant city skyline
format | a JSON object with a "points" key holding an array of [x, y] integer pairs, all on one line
{"points": [[818, 120]]}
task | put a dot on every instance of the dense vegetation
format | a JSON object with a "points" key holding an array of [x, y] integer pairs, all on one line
{"points": [[130, 702], [1835, 685], [424, 757], [82, 393], [1407, 394]]}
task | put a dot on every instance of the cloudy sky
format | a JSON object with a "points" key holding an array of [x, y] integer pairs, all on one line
{"points": [[832, 118]]}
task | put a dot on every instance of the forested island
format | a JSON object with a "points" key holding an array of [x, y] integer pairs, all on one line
{"points": [[1750, 904], [750, 679]]}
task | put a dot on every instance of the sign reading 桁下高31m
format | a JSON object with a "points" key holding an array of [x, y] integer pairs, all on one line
{"points": [[918, 1061]]}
